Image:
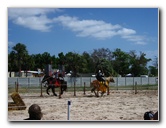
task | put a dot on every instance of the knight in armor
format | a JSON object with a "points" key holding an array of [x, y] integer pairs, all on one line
{"points": [[58, 76], [55, 74], [99, 77]]}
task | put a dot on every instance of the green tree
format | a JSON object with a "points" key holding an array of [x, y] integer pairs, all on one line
{"points": [[153, 70], [74, 63], [138, 63], [61, 58], [88, 66], [20, 52], [61, 61], [12, 62], [41, 60], [38, 61], [28, 63], [99, 59], [121, 62]]}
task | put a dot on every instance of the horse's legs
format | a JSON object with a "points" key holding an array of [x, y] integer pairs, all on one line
{"points": [[108, 91], [102, 94], [48, 89], [93, 89], [53, 90], [61, 89], [96, 94], [60, 92], [98, 90]]}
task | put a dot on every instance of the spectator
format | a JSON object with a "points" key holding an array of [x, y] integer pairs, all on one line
{"points": [[148, 115], [155, 117], [34, 112]]}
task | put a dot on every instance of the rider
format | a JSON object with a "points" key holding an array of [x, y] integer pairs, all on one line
{"points": [[55, 74], [58, 76], [100, 76]]}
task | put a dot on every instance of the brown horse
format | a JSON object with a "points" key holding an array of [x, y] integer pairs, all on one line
{"points": [[100, 86]]}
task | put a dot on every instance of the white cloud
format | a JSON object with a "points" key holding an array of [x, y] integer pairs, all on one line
{"points": [[126, 31], [41, 23], [137, 39], [36, 19], [98, 29], [24, 12], [33, 18], [94, 28]]}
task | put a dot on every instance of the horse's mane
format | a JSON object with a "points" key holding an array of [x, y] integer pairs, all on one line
{"points": [[108, 78]]}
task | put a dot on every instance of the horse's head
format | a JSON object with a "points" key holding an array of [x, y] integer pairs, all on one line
{"points": [[110, 79], [45, 78]]}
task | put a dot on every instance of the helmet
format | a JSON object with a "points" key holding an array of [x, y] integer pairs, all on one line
{"points": [[99, 70]]}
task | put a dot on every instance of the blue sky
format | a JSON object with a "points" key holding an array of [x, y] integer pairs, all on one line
{"points": [[56, 30]]}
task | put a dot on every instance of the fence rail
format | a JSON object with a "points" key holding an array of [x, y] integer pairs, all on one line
{"points": [[79, 81]]}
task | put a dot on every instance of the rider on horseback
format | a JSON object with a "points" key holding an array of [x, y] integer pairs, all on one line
{"points": [[58, 77], [100, 78], [55, 74]]}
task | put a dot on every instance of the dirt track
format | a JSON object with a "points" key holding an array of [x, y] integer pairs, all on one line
{"points": [[119, 105]]}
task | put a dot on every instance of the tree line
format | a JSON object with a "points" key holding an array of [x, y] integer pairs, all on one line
{"points": [[115, 62]]}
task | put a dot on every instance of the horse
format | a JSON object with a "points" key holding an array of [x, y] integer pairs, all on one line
{"points": [[54, 83], [100, 86]]}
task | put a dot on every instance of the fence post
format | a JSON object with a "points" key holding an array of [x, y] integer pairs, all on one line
{"points": [[41, 92], [117, 83], [74, 89], [135, 87], [125, 81], [90, 80], [81, 81], [133, 82], [17, 87], [84, 87], [29, 82]]}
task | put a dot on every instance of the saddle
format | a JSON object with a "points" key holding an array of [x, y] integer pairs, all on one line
{"points": [[55, 82], [103, 83]]}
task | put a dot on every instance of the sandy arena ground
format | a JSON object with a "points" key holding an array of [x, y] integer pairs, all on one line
{"points": [[118, 106]]}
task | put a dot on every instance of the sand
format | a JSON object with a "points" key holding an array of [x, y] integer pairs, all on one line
{"points": [[118, 106]]}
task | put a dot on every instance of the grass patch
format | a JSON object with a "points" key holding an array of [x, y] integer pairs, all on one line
{"points": [[37, 89]]}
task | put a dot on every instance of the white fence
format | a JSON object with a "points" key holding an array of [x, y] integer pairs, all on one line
{"points": [[79, 81]]}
